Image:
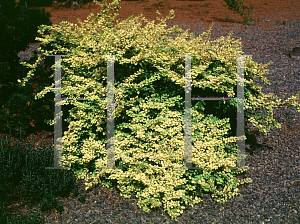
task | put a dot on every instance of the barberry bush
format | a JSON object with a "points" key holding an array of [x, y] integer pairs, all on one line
{"points": [[149, 108]]}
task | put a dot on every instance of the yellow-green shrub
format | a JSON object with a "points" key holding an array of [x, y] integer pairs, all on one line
{"points": [[149, 109]]}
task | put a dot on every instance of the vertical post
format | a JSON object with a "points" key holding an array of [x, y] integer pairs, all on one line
{"points": [[240, 113], [57, 116], [188, 116], [110, 114]]}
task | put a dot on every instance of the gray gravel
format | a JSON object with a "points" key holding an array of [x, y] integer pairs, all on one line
{"points": [[273, 196]]}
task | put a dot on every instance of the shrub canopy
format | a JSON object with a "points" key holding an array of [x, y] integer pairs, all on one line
{"points": [[149, 108]]}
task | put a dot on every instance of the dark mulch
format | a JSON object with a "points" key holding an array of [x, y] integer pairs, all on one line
{"points": [[272, 197]]}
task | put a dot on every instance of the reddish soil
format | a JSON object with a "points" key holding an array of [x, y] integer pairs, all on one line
{"points": [[202, 12]]}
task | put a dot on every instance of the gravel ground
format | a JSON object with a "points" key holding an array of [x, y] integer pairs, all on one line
{"points": [[273, 196]]}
